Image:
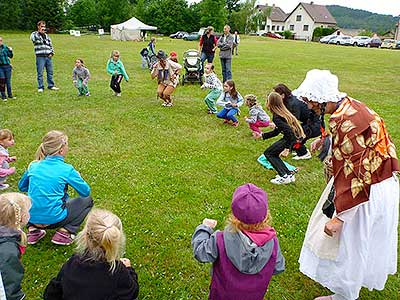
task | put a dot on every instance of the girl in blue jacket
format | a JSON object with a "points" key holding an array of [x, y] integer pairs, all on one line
{"points": [[46, 181]]}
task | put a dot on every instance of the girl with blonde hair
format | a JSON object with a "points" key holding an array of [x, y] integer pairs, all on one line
{"points": [[97, 270], [46, 181], [14, 215], [292, 131], [116, 69], [6, 141], [246, 253]]}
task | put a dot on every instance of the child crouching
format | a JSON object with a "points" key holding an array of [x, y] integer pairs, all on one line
{"points": [[80, 78], [246, 253], [258, 117]]}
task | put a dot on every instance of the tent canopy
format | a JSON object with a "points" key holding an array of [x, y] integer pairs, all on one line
{"points": [[129, 30]]}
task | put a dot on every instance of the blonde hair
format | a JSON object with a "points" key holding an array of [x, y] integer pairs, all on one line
{"points": [[102, 238], [236, 225], [275, 105], [51, 144], [6, 134], [251, 100], [13, 208], [114, 52]]}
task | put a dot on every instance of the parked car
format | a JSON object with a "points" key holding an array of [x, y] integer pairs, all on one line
{"points": [[273, 35], [374, 42], [178, 35], [341, 40], [397, 45], [326, 39], [388, 43], [361, 41], [193, 36]]}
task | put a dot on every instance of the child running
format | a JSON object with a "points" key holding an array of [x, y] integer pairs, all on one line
{"points": [[6, 141], [14, 214], [46, 181], [246, 253], [80, 77], [258, 117], [231, 100], [288, 125], [116, 68], [214, 84], [97, 270]]}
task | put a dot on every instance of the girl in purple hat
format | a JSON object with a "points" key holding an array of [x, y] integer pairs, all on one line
{"points": [[246, 253]]}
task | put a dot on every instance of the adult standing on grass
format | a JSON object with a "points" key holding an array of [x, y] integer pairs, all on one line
{"points": [[5, 70], [46, 181], [207, 46], [225, 45], [356, 245], [44, 52], [236, 42]]}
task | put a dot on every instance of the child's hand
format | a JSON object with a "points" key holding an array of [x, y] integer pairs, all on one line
{"points": [[333, 227], [11, 170], [12, 158], [116, 72], [202, 87], [126, 262], [284, 153], [257, 135], [316, 145], [210, 222], [272, 125]]}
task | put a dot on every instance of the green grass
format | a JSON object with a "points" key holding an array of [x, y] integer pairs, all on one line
{"points": [[164, 170]]}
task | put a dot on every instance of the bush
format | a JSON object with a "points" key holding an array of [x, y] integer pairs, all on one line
{"points": [[319, 32], [287, 34]]}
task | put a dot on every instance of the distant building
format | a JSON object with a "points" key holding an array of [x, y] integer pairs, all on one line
{"points": [[301, 21], [397, 34]]}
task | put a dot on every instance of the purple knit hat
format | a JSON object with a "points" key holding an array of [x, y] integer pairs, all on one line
{"points": [[249, 204]]}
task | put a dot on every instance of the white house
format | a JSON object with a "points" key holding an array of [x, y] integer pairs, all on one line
{"points": [[306, 17], [397, 34], [276, 20]]}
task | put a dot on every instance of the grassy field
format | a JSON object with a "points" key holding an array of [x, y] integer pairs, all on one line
{"points": [[163, 170]]}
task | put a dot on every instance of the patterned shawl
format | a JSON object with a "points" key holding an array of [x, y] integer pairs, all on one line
{"points": [[363, 153]]}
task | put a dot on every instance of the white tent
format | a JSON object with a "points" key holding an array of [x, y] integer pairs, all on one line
{"points": [[129, 30]]}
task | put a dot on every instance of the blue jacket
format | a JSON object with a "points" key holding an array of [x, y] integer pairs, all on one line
{"points": [[46, 182]]}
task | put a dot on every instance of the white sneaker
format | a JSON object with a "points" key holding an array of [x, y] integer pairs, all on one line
{"points": [[40, 90], [4, 99], [283, 180], [305, 156], [4, 186], [164, 104], [54, 88], [118, 94], [169, 104]]}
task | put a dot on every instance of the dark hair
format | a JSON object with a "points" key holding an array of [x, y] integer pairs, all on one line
{"points": [[81, 60], [40, 23], [283, 89], [233, 92]]}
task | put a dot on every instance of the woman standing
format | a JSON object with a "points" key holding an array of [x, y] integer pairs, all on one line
{"points": [[5, 71], [356, 246]]}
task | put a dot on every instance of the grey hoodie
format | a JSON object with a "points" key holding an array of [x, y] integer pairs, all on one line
{"points": [[245, 255]]}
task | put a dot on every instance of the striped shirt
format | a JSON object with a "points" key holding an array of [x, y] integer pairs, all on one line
{"points": [[212, 82], [42, 44], [5, 55]]}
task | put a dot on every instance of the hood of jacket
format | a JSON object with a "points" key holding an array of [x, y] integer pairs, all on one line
{"points": [[9, 234], [245, 254]]}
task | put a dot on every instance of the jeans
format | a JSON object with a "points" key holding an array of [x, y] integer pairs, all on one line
{"points": [[5, 80], [272, 154], [226, 65], [228, 114], [206, 56], [41, 63]]}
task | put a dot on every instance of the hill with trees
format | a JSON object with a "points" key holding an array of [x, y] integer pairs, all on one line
{"points": [[362, 19]]}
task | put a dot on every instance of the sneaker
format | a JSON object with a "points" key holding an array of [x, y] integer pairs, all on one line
{"points": [[87, 94], [164, 104], [324, 298], [118, 94], [40, 90], [235, 124], [4, 99], [54, 88], [169, 104], [12, 97], [4, 186], [305, 156], [62, 238], [283, 180], [35, 236]]}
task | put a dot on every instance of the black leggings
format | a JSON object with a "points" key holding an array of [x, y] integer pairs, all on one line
{"points": [[272, 154], [115, 83]]}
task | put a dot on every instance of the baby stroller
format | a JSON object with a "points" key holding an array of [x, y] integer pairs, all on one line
{"points": [[150, 58], [192, 65]]}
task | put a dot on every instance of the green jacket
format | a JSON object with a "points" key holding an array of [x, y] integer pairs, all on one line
{"points": [[118, 66], [11, 269]]}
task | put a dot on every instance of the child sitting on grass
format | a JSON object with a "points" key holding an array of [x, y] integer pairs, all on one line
{"points": [[231, 100], [80, 77], [258, 117], [14, 214], [97, 270], [6, 141], [214, 84], [116, 68], [246, 253]]}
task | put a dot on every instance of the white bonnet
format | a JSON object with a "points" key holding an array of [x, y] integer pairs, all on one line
{"points": [[320, 86]]}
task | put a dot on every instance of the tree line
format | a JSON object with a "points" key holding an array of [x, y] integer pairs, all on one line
{"points": [[168, 15]]}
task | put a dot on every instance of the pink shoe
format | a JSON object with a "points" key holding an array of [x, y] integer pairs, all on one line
{"points": [[35, 236], [235, 124], [324, 298], [62, 238]]}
